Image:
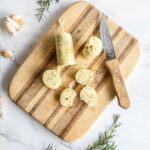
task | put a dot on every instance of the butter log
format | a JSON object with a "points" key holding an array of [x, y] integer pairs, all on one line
{"points": [[64, 48]]}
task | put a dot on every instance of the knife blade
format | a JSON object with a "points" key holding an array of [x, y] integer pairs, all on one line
{"points": [[113, 65]]}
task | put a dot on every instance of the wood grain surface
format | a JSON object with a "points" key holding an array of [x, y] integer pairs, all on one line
{"points": [[28, 91], [118, 82]]}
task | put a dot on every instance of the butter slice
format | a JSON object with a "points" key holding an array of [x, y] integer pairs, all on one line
{"points": [[52, 79], [88, 95], [84, 76], [67, 96]]}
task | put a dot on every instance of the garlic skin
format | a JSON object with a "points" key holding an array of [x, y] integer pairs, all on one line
{"points": [[7, 54], [12, 24]]}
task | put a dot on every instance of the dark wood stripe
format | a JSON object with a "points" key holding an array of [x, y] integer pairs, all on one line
{"points": [[127, 49], [52, 115], [81, 109], [90, 66], [99, 86], [50, 56], [39, 101], [117, 32]]}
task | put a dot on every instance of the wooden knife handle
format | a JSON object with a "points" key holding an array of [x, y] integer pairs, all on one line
{"points": [[119, 84]]}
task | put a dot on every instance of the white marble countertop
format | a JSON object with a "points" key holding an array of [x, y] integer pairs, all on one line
{"points": [[18, 131]]}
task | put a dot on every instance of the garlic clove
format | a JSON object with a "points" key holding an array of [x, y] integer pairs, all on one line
{"points": [[7, 54], [4, 26], [7, 27], [17, 19], [12, 24]]}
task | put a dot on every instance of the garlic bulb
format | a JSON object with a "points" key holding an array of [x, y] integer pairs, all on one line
{"points": [[2, 107], [12, 24]]}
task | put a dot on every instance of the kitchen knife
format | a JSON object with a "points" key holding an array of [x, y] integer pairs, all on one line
{"points": [[113, 65]]}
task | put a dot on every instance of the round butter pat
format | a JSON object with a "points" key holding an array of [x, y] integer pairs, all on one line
{"points": [[52, 79], [88, 95], [84, 76], [67, 96]]}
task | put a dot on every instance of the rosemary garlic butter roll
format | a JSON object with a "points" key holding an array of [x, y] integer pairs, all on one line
{"points": [[64, 49]]}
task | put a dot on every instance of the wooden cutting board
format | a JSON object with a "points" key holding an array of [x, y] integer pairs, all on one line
{"points": [[28, 91]]}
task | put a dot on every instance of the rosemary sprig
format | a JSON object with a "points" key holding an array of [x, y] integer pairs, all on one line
{"points": [[44, 6], [105, 141]]}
